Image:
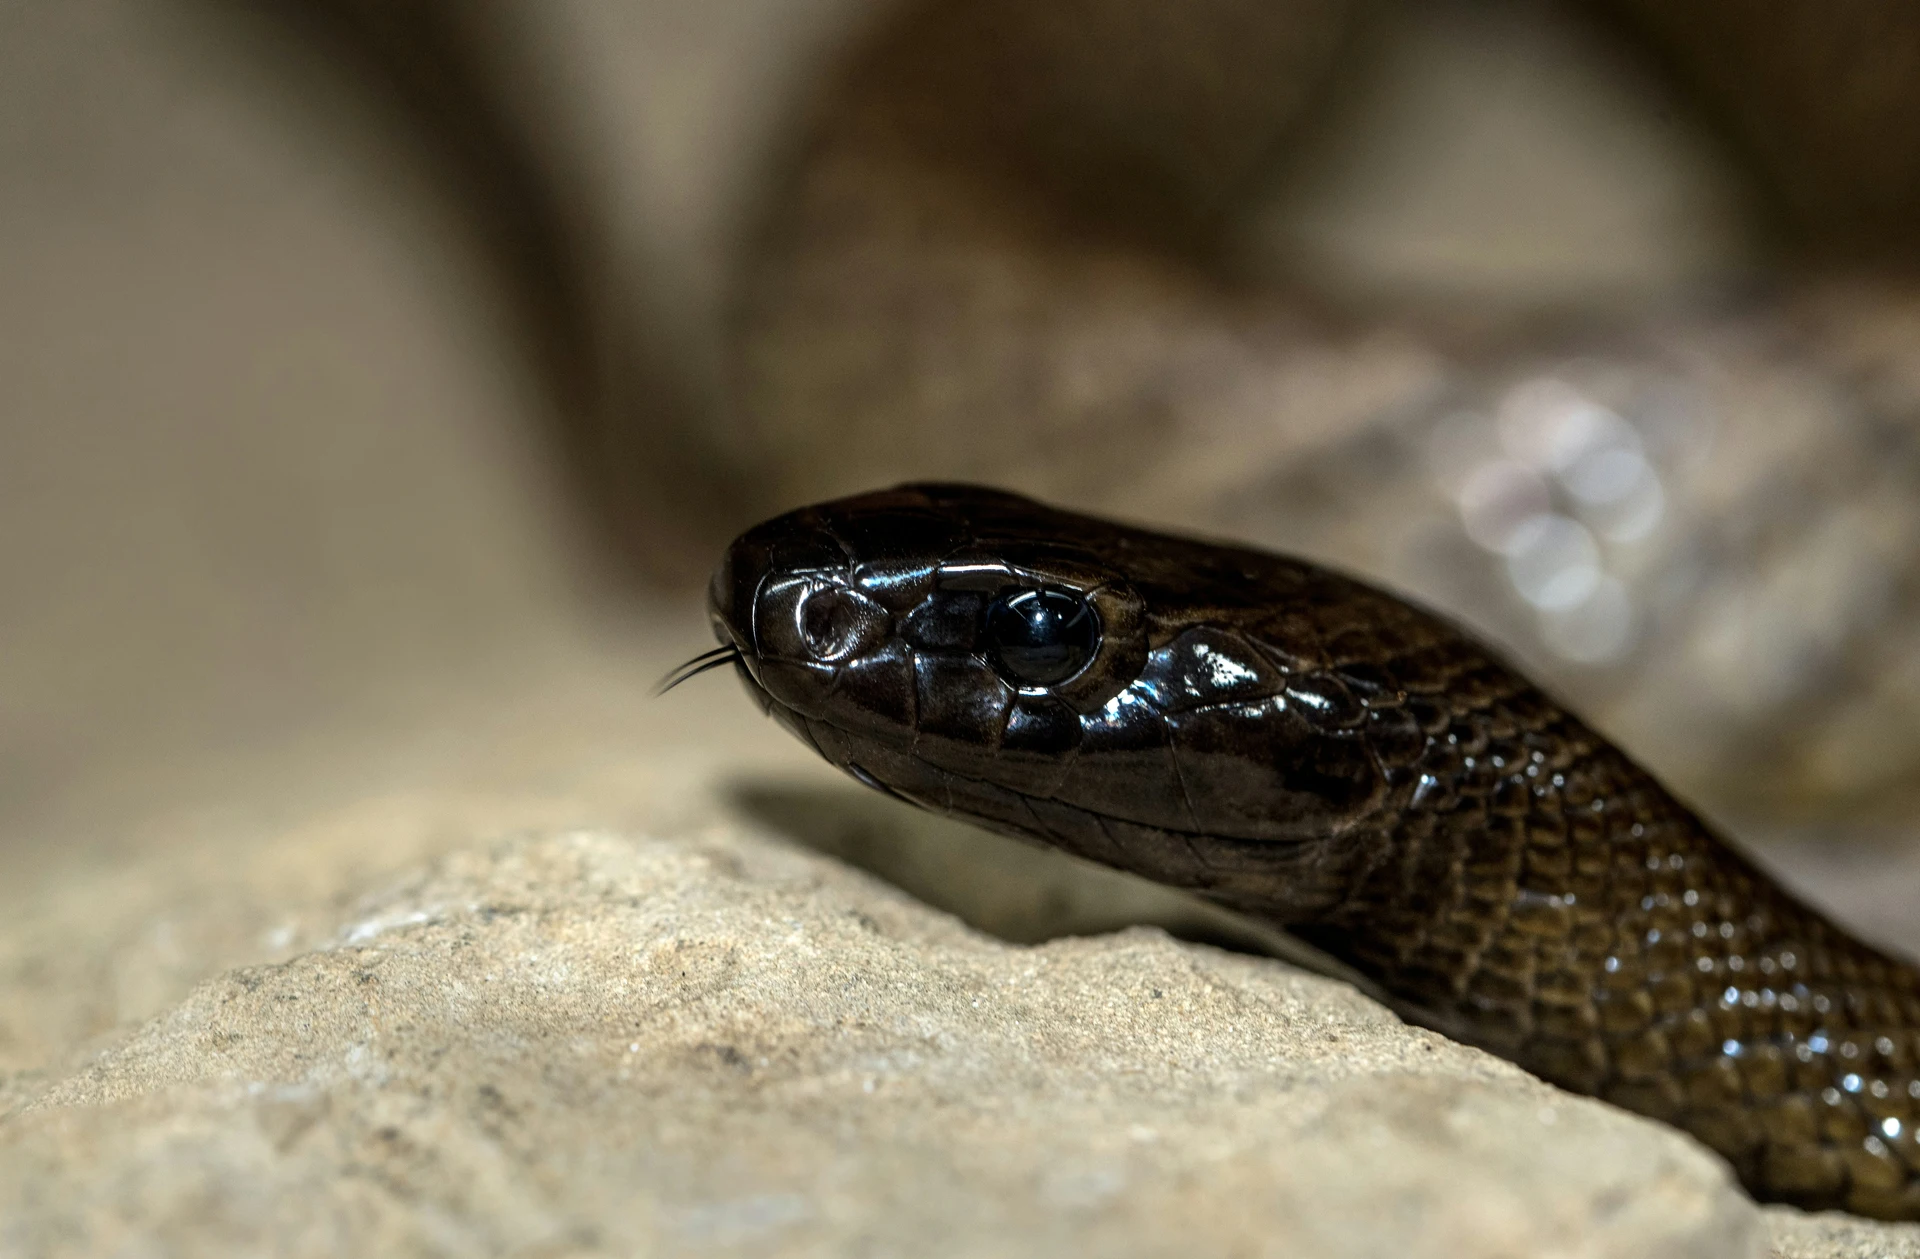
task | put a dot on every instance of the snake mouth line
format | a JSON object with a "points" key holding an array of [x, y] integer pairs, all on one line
{"points": [[800, 724]]}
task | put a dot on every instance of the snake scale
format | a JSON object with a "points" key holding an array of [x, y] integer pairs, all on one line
{"points": [[1316, 753]]}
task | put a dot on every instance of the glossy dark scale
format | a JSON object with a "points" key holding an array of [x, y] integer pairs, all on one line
{"points": [[1313, 751]]}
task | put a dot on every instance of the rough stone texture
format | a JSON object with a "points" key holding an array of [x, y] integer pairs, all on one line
{"points": [[598, 1043], [1831, 1236]]}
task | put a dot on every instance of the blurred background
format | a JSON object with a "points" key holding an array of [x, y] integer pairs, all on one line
{"points": [[378, 381]]}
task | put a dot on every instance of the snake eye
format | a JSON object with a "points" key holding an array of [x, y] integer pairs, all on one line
{"points": [[1041, 637]]}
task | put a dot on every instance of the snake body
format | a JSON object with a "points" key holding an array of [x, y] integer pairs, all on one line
{"points": [[1319, 754]]}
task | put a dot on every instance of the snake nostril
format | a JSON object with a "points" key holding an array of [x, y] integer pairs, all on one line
{"points": [[828, 622], [816, 620]]}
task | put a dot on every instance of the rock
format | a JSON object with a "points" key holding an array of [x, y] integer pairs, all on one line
{"points": [[588, 1042], [1831, 1235]]}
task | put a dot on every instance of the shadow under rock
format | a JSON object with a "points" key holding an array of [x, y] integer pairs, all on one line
{"points": [[1017, 891]]}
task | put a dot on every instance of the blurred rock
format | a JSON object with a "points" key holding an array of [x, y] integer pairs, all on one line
{"points": [[268, 455], [1824, 100]]}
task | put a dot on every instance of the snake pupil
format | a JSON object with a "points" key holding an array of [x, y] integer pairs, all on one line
{"points": [[1041, 637]]}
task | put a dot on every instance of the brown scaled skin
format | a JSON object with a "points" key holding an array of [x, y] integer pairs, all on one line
{"points": [[1319, 754]]}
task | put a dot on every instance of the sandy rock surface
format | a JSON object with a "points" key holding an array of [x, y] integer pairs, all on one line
{"points": [[707, 1037], [602, 1043]]}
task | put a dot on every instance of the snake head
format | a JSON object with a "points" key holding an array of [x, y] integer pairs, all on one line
{"points": [[1152, 702]]}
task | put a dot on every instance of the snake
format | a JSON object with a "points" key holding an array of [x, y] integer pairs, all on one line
{"points": [[1325, 757]]}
